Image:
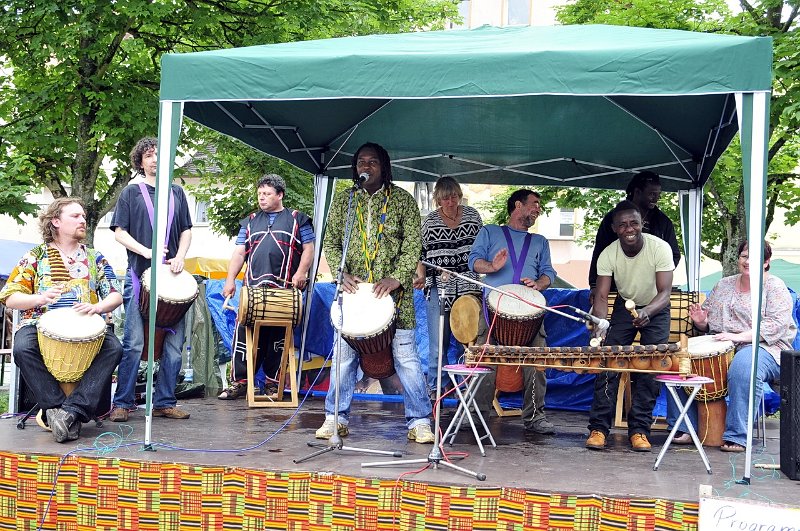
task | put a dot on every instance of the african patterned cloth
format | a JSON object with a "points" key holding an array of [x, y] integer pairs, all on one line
{"points": [[36, 492], [398, 246], [88, 277], [273, 246], [449, 248]]}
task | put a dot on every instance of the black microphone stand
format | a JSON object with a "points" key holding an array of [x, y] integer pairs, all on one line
{"points": [[335, 442], [436, 457]]}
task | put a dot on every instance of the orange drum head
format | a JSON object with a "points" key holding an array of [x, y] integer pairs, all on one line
{"points": [[465, 318]]}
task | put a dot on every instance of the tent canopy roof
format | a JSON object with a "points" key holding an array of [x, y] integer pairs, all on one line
{"points": [[493, 105]]}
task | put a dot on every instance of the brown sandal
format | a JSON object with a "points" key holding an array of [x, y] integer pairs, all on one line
{"points": [[731, 447], [236, 390]]}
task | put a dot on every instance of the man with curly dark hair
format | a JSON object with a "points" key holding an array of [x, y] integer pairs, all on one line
{"points": [[133, 228]]}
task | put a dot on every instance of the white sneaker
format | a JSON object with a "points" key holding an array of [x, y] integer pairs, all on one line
{"points": [[421, 433], [326, 430]]}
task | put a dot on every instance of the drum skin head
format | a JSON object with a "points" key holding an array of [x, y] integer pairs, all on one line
{"points": [[465, 316], [364, 314], [704, 346], [66, 323], [177, 287], [511, 307]]}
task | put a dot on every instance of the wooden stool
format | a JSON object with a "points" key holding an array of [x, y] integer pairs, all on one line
{"points": [[288, 362]]}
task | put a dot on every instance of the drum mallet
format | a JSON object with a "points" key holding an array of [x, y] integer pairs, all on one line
{"points": [[631, 307]]}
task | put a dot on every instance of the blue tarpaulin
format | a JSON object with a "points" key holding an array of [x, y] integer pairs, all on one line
{"points": [[565, 390]]}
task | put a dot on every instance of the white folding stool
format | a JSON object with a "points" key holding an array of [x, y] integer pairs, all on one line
{"points": [[466, 400], [673, 381]]}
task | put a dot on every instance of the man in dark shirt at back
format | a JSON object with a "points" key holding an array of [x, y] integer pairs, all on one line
{"points": [[644, 190]]}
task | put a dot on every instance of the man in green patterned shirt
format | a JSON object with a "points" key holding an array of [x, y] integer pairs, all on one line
{"points": [[384, 249]]}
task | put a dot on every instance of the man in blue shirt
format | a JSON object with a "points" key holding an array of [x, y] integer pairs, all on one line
{"points": [[512, 255]]}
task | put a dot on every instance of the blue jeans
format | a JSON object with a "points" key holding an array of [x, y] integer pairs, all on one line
{"points": [[132, 343], [768, 370], [408, 367], [434, 343], [82, 402]]}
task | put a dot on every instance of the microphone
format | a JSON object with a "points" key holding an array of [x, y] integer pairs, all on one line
{"points": [[361, 179], [601, 324]]}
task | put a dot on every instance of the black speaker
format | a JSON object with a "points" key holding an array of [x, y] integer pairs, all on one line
{"points": [[790, 414]]}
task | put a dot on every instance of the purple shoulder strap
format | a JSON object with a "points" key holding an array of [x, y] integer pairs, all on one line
{"points": [[148, 203], [517, 261]]}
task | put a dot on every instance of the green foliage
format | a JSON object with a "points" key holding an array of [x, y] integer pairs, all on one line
{"points": [[230, 189], [724, 216], [79, 80]]}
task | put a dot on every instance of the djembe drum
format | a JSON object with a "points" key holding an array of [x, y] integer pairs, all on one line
{"points": [[466, 319], [368, 325], [177, 293], [711, 358], [68, 342], [516, 322]]}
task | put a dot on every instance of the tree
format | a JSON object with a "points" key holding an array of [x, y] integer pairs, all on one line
{"points": [[79, 79], [229, 176], [724, 217]]}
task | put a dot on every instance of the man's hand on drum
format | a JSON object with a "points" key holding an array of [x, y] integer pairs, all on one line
{"points": [[350, 282], [643, 318], [385, 286], [299, 280], [175, 264], [538, 286], [86, 307]]}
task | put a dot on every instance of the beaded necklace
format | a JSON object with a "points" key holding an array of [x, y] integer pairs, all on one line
{"points": [[369, 255]]}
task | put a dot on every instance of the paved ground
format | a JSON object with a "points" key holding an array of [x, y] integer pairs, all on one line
{"points": [[231, 434]]}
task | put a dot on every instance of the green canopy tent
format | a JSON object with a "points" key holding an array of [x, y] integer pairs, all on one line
{"points": [[583, 106]]}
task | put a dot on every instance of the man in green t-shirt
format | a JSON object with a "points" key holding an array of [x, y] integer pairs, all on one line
{"points": [[641, 266]]}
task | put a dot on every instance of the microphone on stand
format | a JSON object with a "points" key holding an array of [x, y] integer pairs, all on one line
{"points": [[601, 324], [361, 179]]}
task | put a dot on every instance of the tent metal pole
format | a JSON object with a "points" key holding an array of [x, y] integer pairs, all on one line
{"points": [[753, 112]]}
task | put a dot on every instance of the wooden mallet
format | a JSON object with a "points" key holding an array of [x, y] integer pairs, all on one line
{"points": [[631, 307]]}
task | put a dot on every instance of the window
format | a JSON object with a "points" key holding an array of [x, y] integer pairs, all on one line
{"points": [[566, 223], [463, 12], [519, 12], [201, 212]]}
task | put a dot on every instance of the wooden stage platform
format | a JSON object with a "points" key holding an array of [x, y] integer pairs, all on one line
{"points": [[231, 467]]}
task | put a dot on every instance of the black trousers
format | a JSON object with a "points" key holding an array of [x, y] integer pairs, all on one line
{"points": [[268, 353], [644, 388]]}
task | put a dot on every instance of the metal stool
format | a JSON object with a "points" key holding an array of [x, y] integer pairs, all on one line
{"points": [[466, 399], [673, 381]]}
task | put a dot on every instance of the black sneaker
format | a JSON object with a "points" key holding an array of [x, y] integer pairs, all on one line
{"points": [[541, 426], [64, 425]]}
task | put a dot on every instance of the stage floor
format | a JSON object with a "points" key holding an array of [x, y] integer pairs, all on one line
{"points": [[228, 433]]}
